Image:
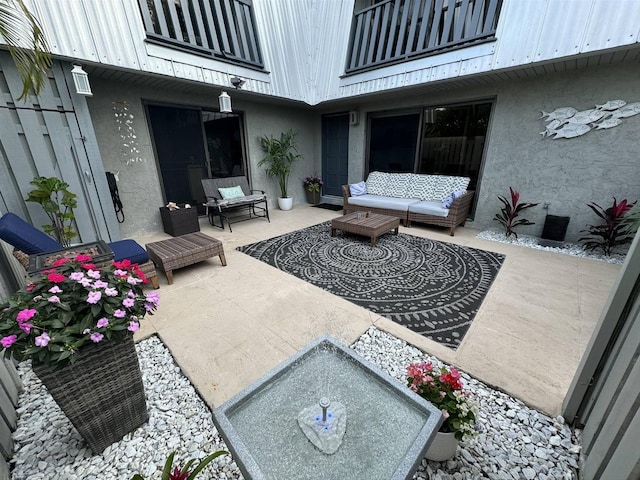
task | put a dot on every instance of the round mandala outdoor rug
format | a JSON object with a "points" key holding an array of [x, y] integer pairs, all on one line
{"points": [[433, 288]]}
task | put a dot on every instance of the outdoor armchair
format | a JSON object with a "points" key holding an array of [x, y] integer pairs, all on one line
{"points": [[28, 240]]}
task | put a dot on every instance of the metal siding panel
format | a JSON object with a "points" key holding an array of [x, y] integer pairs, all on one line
{"points": [[517, 46], [562, 34], [609, 27], [111, 33], [66, 26], [304, 42]]}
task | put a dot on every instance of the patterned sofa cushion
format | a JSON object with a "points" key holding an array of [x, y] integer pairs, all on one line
{"points": [[446, 184], [422, 187], [376, 183], [388, 184], [416, 186]]}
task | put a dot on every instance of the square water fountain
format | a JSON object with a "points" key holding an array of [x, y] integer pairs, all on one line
{"points": [[327, 413]]}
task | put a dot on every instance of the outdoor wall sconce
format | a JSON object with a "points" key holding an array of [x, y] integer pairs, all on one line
{"points": [[237, 82], [225, 102], [81, 81]]}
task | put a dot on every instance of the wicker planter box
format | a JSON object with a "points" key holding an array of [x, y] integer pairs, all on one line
{"points": [[181, 221], [99, 251], [101, 392]]}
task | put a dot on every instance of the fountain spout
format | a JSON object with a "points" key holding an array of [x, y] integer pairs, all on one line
{"points": [[324, 427], [324, 405]]}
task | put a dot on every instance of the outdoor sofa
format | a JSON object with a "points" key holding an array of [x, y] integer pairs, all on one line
{"points": [[433, 199]]}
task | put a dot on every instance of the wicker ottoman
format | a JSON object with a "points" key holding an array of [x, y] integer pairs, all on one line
{"points": [[184, 250]]}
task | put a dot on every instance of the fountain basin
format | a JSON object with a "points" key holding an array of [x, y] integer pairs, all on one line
{"points": [[389, 427]]}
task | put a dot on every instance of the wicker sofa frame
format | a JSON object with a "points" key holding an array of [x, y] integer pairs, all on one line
{"points": [[252, 205], [457, 213]]}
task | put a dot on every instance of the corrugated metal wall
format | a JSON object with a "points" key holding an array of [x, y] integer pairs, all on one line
{"points": [[305, 43]]}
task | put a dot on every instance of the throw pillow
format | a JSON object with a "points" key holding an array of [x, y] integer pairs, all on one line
{"points": [[357, 189], [376, 183], [448, 201], [231, 192]]}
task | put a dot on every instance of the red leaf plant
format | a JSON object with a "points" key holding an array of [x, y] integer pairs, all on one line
{"points": [[509, 212], [612, 231]]}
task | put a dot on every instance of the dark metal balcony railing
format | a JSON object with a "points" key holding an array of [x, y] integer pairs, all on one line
{"points": [[392, 31], [220, 28]]}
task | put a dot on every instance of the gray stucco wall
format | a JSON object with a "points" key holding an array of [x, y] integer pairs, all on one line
{"points": [[566, 173], [139, 182]]}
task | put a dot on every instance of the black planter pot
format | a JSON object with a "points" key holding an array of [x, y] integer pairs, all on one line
{"points": [[313, 197]]}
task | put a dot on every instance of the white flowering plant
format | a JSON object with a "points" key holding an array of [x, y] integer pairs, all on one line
{"points": [[73, 304], [443, 388]]}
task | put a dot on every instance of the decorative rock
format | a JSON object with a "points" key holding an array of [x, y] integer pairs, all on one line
{"points": [[523, 443], [555, 440]]}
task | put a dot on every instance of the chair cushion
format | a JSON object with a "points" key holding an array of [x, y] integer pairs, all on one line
{"points": [[231, 192], [427, 207], [448, 201], [356, 189], [378, 201], [24, 236], [129, 249]]}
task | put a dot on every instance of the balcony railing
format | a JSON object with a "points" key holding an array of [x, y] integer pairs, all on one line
{"points": [[398, 30], [218, 28]]}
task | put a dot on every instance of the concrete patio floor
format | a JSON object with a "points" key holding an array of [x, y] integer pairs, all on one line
{"points": [[227, 326]]}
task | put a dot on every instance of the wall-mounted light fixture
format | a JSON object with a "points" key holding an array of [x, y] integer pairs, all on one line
{"points": [[81, 81], [225, 102], [237, 82]]}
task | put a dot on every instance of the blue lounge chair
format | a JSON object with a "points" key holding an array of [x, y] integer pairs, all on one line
{"points": [[28, 240]]}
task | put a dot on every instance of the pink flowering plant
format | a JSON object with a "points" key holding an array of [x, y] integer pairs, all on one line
{"points": [[312, 183], [73, 304], [443, 388]]}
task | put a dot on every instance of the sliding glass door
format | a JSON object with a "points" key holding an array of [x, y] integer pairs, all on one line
{"points": [[442, 140], [192, 143]]}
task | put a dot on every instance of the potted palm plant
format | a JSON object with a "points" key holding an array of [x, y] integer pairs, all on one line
{"points": [[280, 155]]}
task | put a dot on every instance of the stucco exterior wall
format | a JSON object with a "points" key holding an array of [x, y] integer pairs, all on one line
{"points": [[139, 181], [566, 173]]}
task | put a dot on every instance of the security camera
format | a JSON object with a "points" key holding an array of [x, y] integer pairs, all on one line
{"points": [[237, 82]]}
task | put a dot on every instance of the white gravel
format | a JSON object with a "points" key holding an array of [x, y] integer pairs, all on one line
{"points": [[566, 248], [514, 442]]}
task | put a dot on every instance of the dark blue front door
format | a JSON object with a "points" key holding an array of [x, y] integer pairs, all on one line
{"points": [[335, 152]]}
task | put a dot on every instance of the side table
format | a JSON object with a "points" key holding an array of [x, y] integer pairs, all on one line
{"points": [[184, 250]]}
